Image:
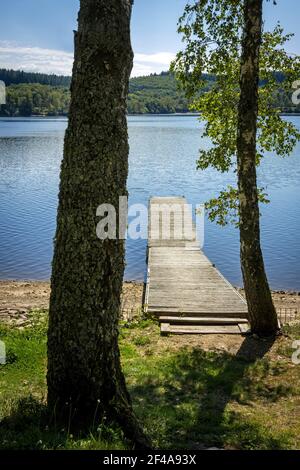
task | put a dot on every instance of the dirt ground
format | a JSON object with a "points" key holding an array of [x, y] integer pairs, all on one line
{"points": [[17, 298], [284, 299]]}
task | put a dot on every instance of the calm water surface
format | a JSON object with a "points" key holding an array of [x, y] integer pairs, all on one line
{"points": [[163, 152]]}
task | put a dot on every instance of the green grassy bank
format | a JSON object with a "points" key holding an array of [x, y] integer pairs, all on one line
{"points": [[185, 397]]}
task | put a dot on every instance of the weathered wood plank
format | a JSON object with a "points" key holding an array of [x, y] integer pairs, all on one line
{"points": [[244, 327], [242, 322], [164, 329], [204, 329]]}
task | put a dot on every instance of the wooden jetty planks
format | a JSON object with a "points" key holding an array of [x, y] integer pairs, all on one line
{"points": [[182, 282]]}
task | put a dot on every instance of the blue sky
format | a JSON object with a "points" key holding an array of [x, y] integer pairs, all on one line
{"points": [[37, 35]]}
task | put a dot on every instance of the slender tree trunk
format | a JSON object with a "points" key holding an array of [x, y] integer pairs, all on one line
{"points": [[262, 314], [85, 381]]}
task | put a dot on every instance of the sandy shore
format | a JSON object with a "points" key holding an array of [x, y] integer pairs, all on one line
{"points": [[17, 298], [283, 299]]}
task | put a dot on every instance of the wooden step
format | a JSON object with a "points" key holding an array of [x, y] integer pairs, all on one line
{"points": [[166, 329], [195, 313], [202, 320]]}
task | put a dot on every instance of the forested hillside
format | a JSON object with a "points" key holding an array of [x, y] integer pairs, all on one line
{"points": [[36, 99], [156, 94], [48, 95]]}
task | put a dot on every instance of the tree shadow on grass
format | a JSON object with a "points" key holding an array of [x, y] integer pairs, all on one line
{"points": [[183, 401], [25, 427], [29, 426]]}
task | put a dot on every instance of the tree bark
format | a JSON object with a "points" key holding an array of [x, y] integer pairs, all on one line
{"points": [[262, 314], [85, 381]]}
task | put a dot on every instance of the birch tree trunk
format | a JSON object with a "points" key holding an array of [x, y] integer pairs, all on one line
{"points": [[262, 314], [85, 381]]}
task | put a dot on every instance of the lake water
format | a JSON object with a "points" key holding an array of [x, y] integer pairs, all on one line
{"points": [[163, 153]]}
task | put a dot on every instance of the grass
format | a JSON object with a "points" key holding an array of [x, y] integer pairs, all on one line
{"points": [[185, 397]]}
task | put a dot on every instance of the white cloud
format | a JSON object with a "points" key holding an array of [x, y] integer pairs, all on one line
{"points": [[37, 59], [144, 64]]}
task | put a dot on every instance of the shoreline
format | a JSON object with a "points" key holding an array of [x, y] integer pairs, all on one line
{"points": [[65, 116], [18, 298]]}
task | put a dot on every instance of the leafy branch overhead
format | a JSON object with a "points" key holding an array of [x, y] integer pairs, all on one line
{"points": [[212, 34]]}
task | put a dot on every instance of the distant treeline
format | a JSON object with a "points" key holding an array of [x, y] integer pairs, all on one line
{"points": [[17, 77], [48, 95]]}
